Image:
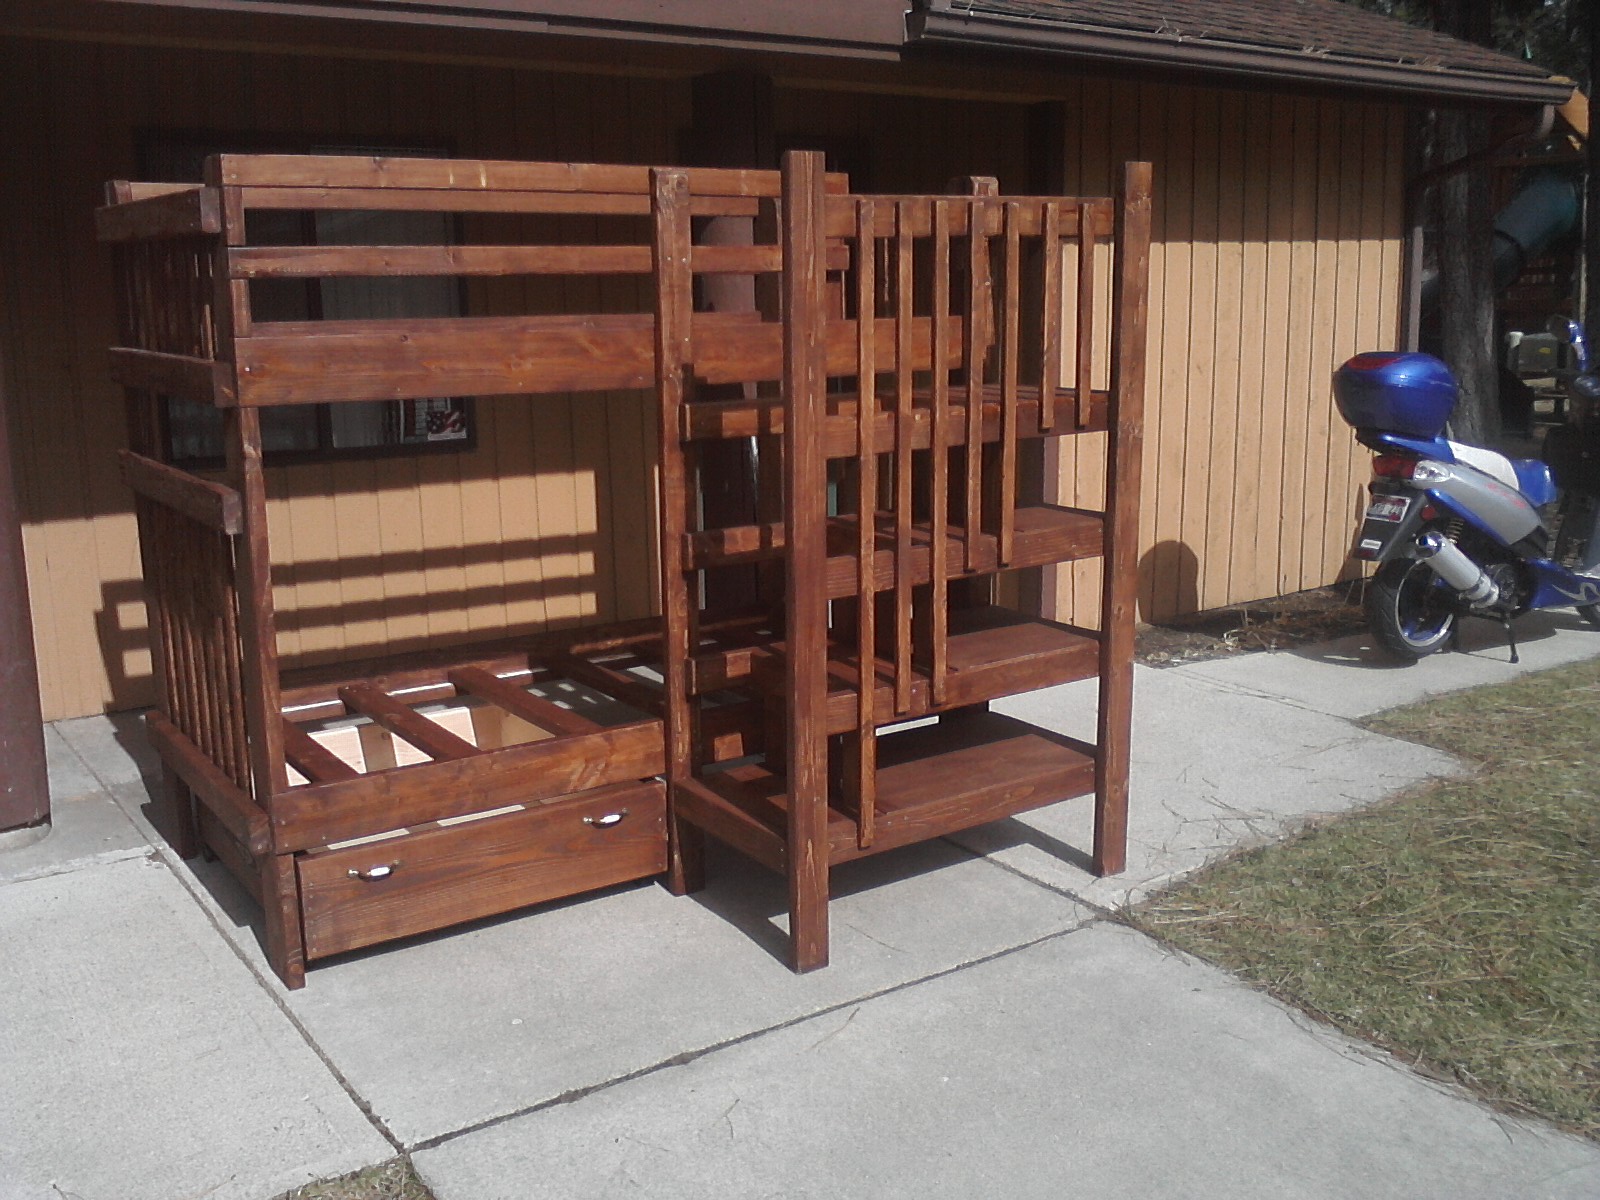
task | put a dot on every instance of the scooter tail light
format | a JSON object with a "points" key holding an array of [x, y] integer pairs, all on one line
{"points": [[1393, 466]]}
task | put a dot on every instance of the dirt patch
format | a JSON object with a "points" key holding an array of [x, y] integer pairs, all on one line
{"points": [[1295, 620]]}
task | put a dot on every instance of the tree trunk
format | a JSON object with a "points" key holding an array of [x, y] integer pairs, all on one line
{"points": [[1466, 278], [1466, 233], [1591, 223]]}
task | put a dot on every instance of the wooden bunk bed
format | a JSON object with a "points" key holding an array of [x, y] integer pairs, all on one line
{"points": [[379, 799]]}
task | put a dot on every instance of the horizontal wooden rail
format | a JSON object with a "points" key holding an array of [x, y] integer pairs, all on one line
{"points": [[745, 418], [619, 685], [306, 687], [520, 702], [121, 191], [841, 220], [330, 361], [305, 817], [188, 213], [239, 815], [593, 204], [180, 376], [211, 504], [432, 739], [483, 356], [311, 758], [302, 262], [700, 802], [365, 171], [753, 351]]}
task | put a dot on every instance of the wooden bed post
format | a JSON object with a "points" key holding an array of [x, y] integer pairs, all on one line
{"points": [[805, 495], [674, 313], [258, 637], [1121, 575]]}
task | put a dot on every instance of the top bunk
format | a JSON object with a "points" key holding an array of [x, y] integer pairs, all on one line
{"points": [[305, 279]]}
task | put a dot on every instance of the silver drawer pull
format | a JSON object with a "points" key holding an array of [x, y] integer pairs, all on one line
{"points": [[607, 821], [371, 873]]}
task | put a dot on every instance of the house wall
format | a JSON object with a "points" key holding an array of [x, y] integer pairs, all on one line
{"points": [[1276, 256]]}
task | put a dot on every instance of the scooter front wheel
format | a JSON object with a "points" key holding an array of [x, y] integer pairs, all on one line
{"points": [[1590, 613], [1409, 613]]}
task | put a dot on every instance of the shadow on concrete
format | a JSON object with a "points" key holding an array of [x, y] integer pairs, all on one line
{"points": [[1479, 638]]}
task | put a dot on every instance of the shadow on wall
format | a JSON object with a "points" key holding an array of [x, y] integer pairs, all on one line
{"points": [[396, 602], [1169, 581]]}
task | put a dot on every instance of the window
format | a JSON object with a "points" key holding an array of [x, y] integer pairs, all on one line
{"points": [[301, 433]]}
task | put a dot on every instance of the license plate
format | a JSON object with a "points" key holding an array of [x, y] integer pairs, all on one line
{"points": [[1388, 508]]}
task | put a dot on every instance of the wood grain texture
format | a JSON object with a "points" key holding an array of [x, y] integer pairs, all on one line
{"points": [[210, 504], [805, 486], [309, 816], [444, 875], [1114, 721]]}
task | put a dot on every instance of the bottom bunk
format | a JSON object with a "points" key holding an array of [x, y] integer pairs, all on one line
{"points": [[425, 791]]}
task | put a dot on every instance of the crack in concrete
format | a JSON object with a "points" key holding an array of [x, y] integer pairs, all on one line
{"points": [[689, 1056]]}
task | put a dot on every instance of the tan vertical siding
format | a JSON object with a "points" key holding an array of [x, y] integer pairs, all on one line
{"points": [[1276, 256]]}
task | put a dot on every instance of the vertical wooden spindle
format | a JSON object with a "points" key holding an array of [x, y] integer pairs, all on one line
{"points": [[1085, 377], [865, 765], [939, 439], [1050, 315], [1010, 325], [977, 317], [904, 425]]}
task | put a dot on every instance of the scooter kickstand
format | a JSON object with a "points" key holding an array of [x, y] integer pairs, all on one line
{"points": [[1511, 639]]}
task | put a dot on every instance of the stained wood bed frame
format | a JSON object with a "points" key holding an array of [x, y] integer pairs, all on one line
{"points": [[893, 370]]}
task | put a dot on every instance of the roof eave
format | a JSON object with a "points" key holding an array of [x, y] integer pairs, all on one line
{"points": [[1130, 47]]}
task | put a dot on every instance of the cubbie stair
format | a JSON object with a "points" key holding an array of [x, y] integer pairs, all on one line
{"points": [[893, 386], [899, 433]]}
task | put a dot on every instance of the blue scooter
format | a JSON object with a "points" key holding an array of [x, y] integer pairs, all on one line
{"points": [[1460, 530]]}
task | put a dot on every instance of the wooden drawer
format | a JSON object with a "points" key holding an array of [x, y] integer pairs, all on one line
{"points": [[445, 874]]}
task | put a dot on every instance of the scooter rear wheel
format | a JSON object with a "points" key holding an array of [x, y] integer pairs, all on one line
{"points": [[1408, 612], [1590, 613]]}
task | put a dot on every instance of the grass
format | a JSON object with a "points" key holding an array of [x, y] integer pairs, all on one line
{"points": [[1458, 924], [393, 1180]]}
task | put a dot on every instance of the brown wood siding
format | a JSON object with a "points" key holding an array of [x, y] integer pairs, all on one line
{"points": [[1276, 255]]}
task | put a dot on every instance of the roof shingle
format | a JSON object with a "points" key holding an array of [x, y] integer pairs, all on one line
{"points": [[1321, 34]]}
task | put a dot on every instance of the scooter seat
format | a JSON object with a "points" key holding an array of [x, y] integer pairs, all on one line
{"points": [[1534, 481]]}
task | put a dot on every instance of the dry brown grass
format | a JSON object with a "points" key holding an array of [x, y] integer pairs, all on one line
{"points": [[393, 1180], [1458, 924], [1275, 624]]}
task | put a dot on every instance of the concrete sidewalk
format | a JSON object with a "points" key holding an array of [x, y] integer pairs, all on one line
{"points": [[984, 1031]]}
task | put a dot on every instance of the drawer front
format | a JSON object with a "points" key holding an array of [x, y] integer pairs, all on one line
{"points": [[440, 876]]}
